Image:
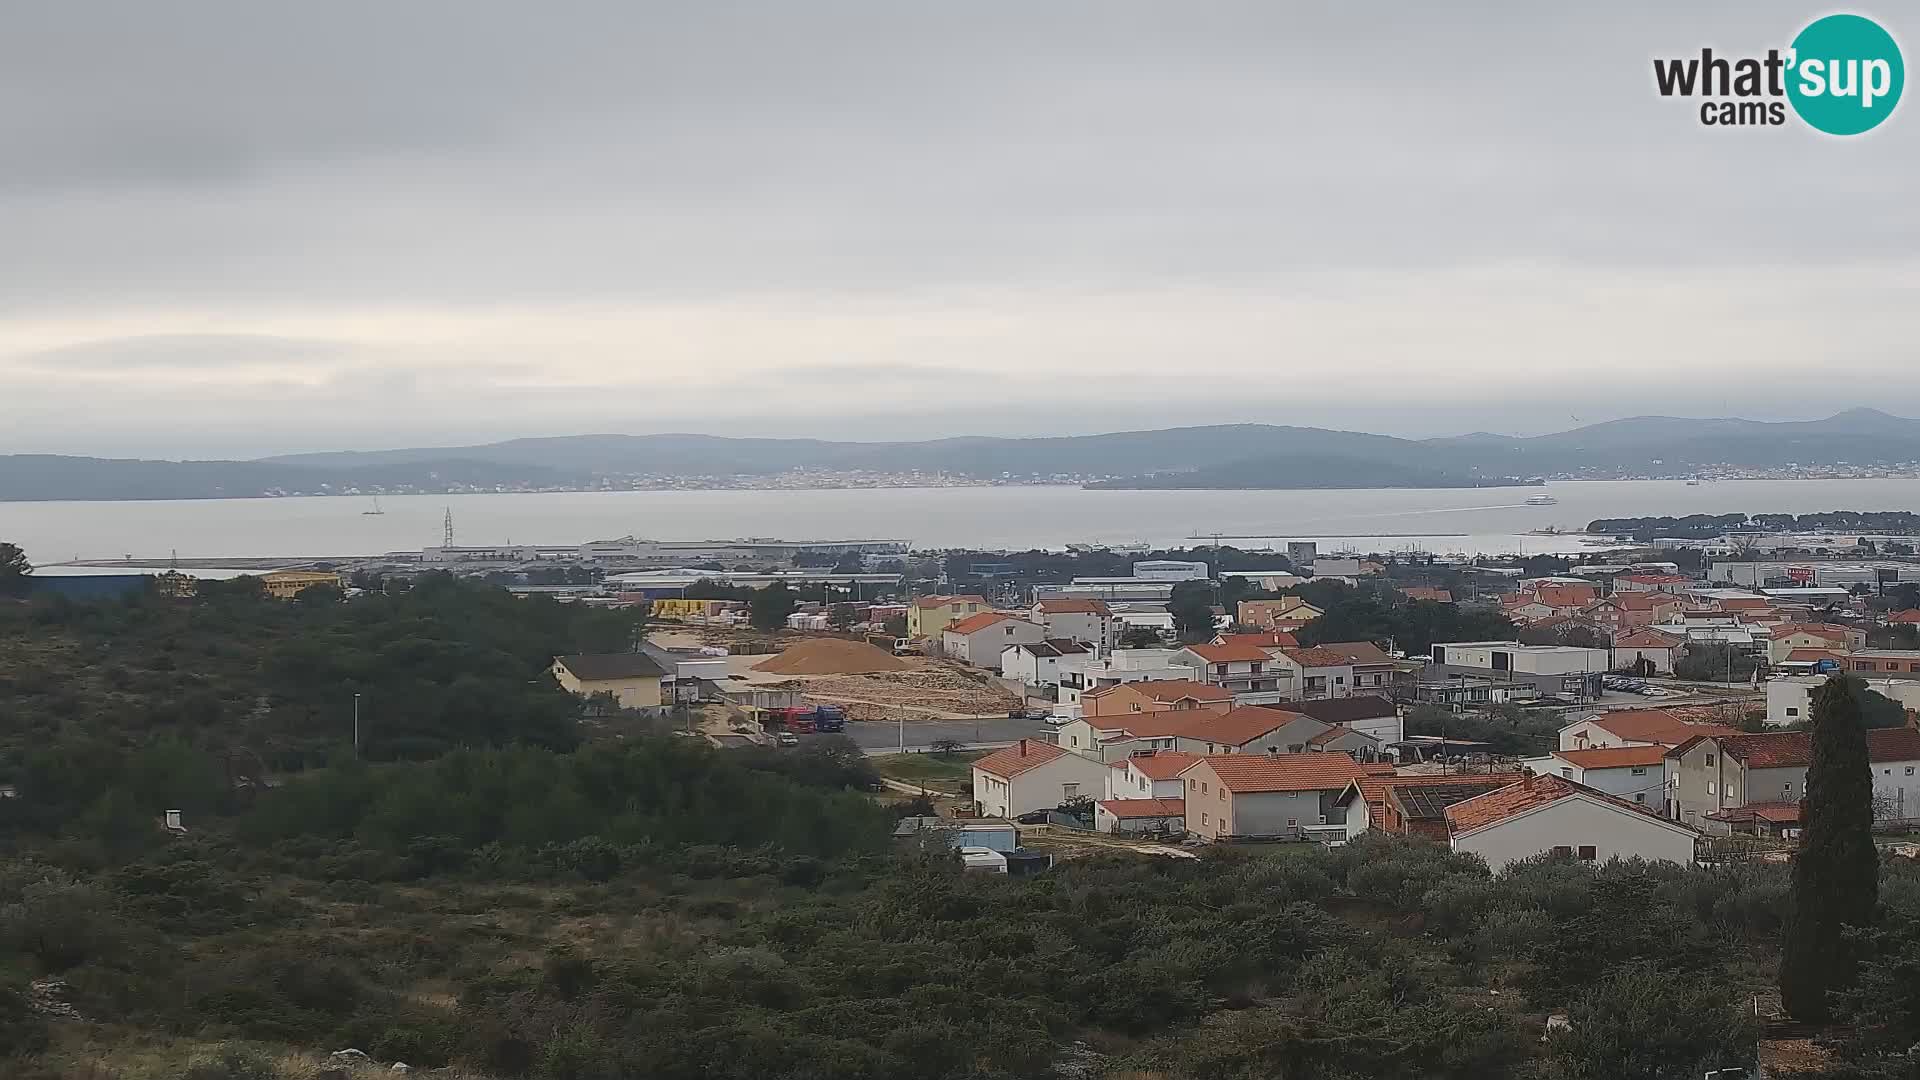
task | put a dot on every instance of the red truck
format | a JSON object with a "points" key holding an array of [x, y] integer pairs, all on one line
{"points": [[805, 719]]}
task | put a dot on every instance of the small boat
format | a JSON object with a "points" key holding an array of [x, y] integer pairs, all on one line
{"points": [[1693, 483], [1542, 500], [376, 508]]}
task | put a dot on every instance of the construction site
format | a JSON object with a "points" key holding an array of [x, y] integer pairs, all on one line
{"points": [[867, 682]]}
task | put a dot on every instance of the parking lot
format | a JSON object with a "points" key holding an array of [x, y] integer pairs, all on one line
{"points": [[881, 737]]}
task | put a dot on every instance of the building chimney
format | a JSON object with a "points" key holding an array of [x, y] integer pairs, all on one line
{"points": [[1023, 748]]}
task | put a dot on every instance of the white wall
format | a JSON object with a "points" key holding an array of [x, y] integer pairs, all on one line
{"points": [[1896, 789], [1040, 788], [1575, 821], [1790, 698]]}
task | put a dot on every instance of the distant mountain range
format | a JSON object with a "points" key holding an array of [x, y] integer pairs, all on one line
{"points": [[1222, 456]]}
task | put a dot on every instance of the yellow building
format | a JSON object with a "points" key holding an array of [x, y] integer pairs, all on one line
{"points": [[632, 679], [287, 584], [691, 610], [929, 616]]}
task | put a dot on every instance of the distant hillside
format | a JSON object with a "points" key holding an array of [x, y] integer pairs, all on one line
{"points": [[1303, 471], [44, 477], [1221, 456]]}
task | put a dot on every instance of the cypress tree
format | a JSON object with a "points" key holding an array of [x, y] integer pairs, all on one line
{"points": [[1836, 876]]}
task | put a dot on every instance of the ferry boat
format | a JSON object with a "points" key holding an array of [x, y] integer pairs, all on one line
{"points": [[1542, 500]]}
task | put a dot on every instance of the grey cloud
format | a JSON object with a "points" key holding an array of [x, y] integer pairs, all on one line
{"points": [[228, 158]]}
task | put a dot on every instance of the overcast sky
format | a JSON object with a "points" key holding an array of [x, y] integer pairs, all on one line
{"points": [[243, 228]]}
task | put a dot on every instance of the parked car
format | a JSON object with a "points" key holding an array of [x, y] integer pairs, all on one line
{"points": [[1054, 721], [1035, 817], [788, 738]]}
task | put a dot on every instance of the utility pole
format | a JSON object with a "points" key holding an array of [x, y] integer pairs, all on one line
{"points": [[902, 718], [356, 725]]}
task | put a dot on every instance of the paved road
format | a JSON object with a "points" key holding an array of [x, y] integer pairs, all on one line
{"points": [[881, 736]]}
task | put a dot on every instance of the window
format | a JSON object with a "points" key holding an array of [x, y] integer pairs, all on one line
{"points": [[1710, 790], [1587, 853], [1709, 761], [1792, 711], [1909, 770], [1913, 667], [1292, 822], [1203, 787], [1203, 817], [1223, 794], [1640, 796], [1191, 784], [1566, 771], [1069, 790], [1863, 665], [1637, 770], [1323, 819], [1562, 849], [1073, 740]]}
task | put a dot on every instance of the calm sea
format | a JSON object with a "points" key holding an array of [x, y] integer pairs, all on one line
{"points": [[1490, 520]]}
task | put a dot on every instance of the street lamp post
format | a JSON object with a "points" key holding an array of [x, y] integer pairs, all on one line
{"points": [[356, 725]]}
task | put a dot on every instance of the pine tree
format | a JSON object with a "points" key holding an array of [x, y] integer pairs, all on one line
{"points": [[1836, 876]]}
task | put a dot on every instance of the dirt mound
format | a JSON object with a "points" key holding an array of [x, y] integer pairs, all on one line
{"points": [[831, 656]]}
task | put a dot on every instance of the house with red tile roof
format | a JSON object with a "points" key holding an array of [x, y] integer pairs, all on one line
{"points": [[1316, 672], [1150, 816], [1786, 637], [1271, 614], [1634, 727], [1637, 774], [1119, 720], [1909, 617], [1148, 774], [980, 639], [1373, 669], [1033, 775], [1423, 592], [1283, 795], [1714, 774], [1251, 729], [1412, 805], [1565, 597], [1240, 668], [1647, 651], [1551, 814], [1037, 663]]}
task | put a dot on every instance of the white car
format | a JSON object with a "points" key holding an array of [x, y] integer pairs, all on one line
{"points": [[1059, 721]]}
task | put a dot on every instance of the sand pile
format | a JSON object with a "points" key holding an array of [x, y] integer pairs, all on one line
{"points": [[831, 656]]}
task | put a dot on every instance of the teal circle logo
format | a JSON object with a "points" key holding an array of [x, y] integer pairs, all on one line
{"points": [[1846, 74]]}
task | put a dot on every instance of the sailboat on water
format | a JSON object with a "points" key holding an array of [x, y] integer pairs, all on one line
{"points": [[376, 508]]}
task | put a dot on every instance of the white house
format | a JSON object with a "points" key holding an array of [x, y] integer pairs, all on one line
{"points": [[1037, 663], [1314, 672], [1634, 773], [1032, 775], [980, 639], [1790, 697], [1895, 757], [1247, 671], [1148, 774], [1089, 622], [1552, 814], [1086, 672]]}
